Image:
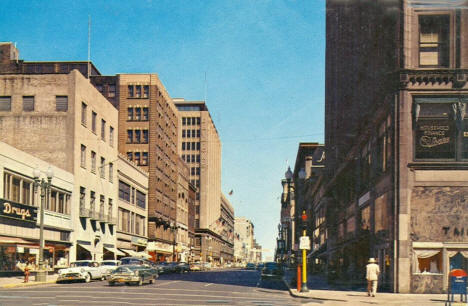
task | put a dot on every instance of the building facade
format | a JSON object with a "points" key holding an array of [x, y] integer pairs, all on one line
{"points": [[183, 247], [395, 183], [132, 216], [19, 241], [244, 240]]}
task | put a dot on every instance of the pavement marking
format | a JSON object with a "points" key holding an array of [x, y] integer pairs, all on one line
{"points": [[208, 284], [176, 281]]}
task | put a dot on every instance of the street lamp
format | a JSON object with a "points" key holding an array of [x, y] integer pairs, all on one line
{"points": [[304, 253], [41, 275]]}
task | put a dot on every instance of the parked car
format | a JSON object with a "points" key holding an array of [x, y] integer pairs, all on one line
{"points": [[133, 274], [250, 266], [168, 267], [196, 266], [182, 267], [137, 261], [110, 265], [84, 270], [272, 269], [260, 266]]}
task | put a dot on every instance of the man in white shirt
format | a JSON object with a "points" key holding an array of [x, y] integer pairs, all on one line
{"points": [[372, 276]]}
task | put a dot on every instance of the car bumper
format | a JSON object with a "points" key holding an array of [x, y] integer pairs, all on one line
{"points": [[123, 279], [70, 277]]}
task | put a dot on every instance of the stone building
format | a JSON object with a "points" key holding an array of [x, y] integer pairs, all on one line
{"points": [[183, 203], [226, 232], [201, 150], [62, 119], [132, 216], [395, 183], [19, 239], [244, 240]]}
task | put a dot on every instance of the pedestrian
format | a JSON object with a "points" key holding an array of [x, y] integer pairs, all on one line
{"points": [[372, 276], [27, 267]]}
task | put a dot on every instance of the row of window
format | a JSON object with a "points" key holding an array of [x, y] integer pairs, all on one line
{"points": [[61, 103], [111, 90], [84, 122], [131, 195], [102, 166], [92, 202], [191, 158], [137, 114], [190, 146], [137, 136], [135, 91], [140, 158], [21, 190], [190, 133], [190, 120], [131, 222], [195, 171], [196, 183]]}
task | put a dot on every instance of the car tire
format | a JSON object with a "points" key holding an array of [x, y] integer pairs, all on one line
{"points": [[87, 278], [103, 277], [140, 282]]}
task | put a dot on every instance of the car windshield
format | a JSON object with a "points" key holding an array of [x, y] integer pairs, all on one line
{"points": [[80, 264], [109, 263], [132, 261]]}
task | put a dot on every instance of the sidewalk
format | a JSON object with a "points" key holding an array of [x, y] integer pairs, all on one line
{"points": [[17, 281], [320, 290]]}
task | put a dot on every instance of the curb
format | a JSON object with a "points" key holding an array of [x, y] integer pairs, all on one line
{"points": [[294, 293], [29, 284]]}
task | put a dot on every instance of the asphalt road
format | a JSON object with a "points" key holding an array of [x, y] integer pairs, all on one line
{"points": [[219, 287]]}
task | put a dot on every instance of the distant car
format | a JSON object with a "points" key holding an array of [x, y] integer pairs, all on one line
{"points": [[260, 266], [272, 269], [250, 266], [196, 266], [182, 267], [166, 267], [137, 261], [83, 270], [110, 265], [133, 274]]}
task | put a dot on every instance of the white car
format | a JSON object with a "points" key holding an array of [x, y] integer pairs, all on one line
{"points": [[84, 270], [109, 266]]}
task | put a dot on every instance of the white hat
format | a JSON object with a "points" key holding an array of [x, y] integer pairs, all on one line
{"points": [[372, 260]]}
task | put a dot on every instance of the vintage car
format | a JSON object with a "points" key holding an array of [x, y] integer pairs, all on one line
{"points": [[272, 269], [182, 267], [110, 265], [133, 274], [83, 270]]}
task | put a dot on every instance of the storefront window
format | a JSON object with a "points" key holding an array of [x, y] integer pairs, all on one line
{"points": [[458, 259], [427, 261]]}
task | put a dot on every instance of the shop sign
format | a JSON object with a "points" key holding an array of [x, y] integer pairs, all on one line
{"points": [[455, 231], [19, 249], [18, 211], [139, 241], [435, 136]]}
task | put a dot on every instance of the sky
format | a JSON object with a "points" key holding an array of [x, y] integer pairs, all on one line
{"points": [[259, 64]]}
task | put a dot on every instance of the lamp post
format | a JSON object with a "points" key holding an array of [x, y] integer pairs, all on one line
{"points": [[288, 175], [41, 275], [304, 253]]}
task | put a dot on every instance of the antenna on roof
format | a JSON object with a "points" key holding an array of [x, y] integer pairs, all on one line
{"points": [[89, 44], [205, 87]]}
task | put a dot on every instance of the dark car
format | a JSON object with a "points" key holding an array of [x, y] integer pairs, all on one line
{"points": [[260, 266], [167, 267], [250, 266], [133, 274], [182, 267], [272, 269], [137, 261]]}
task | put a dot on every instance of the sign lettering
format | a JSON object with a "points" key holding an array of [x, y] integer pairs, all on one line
{"points": [[17, 211], [433, 135], [455, 231]]}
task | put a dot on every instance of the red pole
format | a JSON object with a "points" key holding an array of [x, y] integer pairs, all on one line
{"points": [[299, 280]]}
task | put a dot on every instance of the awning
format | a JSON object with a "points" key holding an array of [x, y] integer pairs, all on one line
{"points": [[115, 251], [130, 252], [86, 247], [143, 254], [4, 239]]}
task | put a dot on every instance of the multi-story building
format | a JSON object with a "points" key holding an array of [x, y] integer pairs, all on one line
{"points": [[182, 212], [226, 223], [201, 150], [62, 119], [20, 201], [244, 238], [286, 241], [132, 223], [395, 135]]}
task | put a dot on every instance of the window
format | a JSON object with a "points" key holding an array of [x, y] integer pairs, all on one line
{"points": [[5, 104], [61, 103], [110, 208], [92, 202], [124, 191], [138, 91], [103, 129], [99, 88], [111, 172], [93, 162], [189, 121], [144, 158], [427, 261], [138, 114], [188, 158], [145, 114], [83, 113], [183, 146], [183, 133], [83, 156], [82, 197], [28, 103], [140, 199], [184, 121], [145, 91], [103, 167], [145, 136], [198, 133], [137, 158], [436, 135], [129, 136], [111, 136], [138, 136], [188, 135], [102, 201], [197, 171], [130, 155], [198, 158], [130, 114], [130, 91], [434, 31], [18, 189], [198, 120], [93, 122], [111, 91]]}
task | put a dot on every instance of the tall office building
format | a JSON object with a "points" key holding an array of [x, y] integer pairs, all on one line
{"points": [[201, 150]]}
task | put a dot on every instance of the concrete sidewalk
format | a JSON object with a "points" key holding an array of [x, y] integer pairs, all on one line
{"points": [[17, 281], [320, 290]]}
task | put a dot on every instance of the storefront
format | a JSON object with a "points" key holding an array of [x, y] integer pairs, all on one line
{"points": [[160, 251]]}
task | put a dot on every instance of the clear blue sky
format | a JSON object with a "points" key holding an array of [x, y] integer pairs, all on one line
{"points": [[264, 62]]}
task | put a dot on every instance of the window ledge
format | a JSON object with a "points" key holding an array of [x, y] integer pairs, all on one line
{"points": [[427, 273], [438, 165]]}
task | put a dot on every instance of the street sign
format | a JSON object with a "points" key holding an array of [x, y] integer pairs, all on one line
{"points": [[304, 243]]}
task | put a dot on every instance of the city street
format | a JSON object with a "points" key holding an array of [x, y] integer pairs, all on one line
{"points": [[219, 287]]}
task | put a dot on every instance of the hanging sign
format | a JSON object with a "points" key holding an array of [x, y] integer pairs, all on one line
{"points": [[18, 211]]}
